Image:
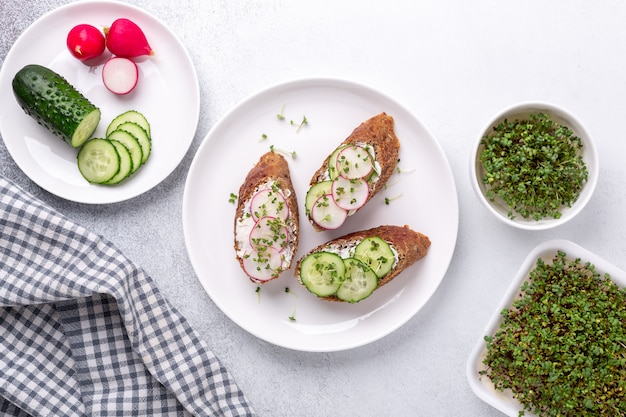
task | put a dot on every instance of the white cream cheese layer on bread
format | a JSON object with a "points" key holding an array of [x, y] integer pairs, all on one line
{"points": [[344, 251]]}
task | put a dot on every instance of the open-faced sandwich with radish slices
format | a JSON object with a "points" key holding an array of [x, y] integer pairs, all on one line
{"points": [[351, 267], [266, 220], [353, 173]]}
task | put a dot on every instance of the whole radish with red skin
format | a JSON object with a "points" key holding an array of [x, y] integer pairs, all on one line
{"points": [[125, 39], [85, 42]]}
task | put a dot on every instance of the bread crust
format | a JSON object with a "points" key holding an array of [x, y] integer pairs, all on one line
{"points": [[411, 246], [378, 132], [271, 166]]}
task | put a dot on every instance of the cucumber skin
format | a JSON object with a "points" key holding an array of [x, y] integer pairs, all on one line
{"points": [[52, 101]]}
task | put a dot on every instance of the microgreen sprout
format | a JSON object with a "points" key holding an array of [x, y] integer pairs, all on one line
{"points": [[258, 292], [281, 115], [560, 346], [404, 171], [535, 166], [263, 137], [299, 125], [399, 170], [284, 152], [293, 314], [391, 182], [232, 198], [388, 200]]}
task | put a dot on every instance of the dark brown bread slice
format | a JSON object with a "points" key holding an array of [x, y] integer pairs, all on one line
{"points": [[378, 131], [271, 166], [410, 245]]}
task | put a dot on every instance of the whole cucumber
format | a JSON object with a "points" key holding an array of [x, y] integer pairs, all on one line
{"points": [[55, 104]]}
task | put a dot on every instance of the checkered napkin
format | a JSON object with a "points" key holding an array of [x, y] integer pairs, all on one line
{"points": [[85, 332]]}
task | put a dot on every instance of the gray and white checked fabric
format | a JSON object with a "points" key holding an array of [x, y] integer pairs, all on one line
{"points": [[85, 332]]}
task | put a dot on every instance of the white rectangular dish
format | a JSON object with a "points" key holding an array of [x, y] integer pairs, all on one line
{"points": [[482, 386]]}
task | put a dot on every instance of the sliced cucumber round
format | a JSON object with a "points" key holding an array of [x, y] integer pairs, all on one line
{"points": [[131, 143], [377, 254], [315, 192], [142, 137], [126, 164], [98, 161], [359, 283], [322, 273], [332, 162], [129, 116]]}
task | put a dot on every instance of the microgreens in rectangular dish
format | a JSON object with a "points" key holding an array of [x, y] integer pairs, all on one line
{"points": [[561, 346]]}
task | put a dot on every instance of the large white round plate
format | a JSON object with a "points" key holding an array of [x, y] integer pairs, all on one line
{"points": [[426, 201], [167, 94]]}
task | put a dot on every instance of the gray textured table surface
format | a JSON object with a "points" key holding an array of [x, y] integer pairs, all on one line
{"points": [[454, 64]]}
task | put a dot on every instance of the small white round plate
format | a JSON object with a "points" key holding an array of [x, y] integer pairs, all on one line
{"points": [[282, 312], [167, 94]]}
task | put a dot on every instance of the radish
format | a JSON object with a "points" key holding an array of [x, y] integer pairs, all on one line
{"points": [[124, 38], [350, 194], [327, 214], [85, 42], [354, 162], [270, 232], [269, 202], [263, 265], [120, 75]]}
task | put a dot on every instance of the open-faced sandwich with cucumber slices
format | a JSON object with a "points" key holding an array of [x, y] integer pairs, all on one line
{"points": [[351, 267], [266, 220], [353, 173]]}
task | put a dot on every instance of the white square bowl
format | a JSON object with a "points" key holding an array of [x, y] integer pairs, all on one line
{"points": [[482, 386]]}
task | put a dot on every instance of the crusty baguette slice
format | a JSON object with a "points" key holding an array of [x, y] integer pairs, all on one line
{"points": [[409, 245], [269, 182], [377, 132]]}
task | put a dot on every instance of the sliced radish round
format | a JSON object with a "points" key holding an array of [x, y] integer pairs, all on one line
{"points": [[263, 265], [120, 75], [327, 214], [269, 202], [269, 231], [350, 194], [354, 162]]}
